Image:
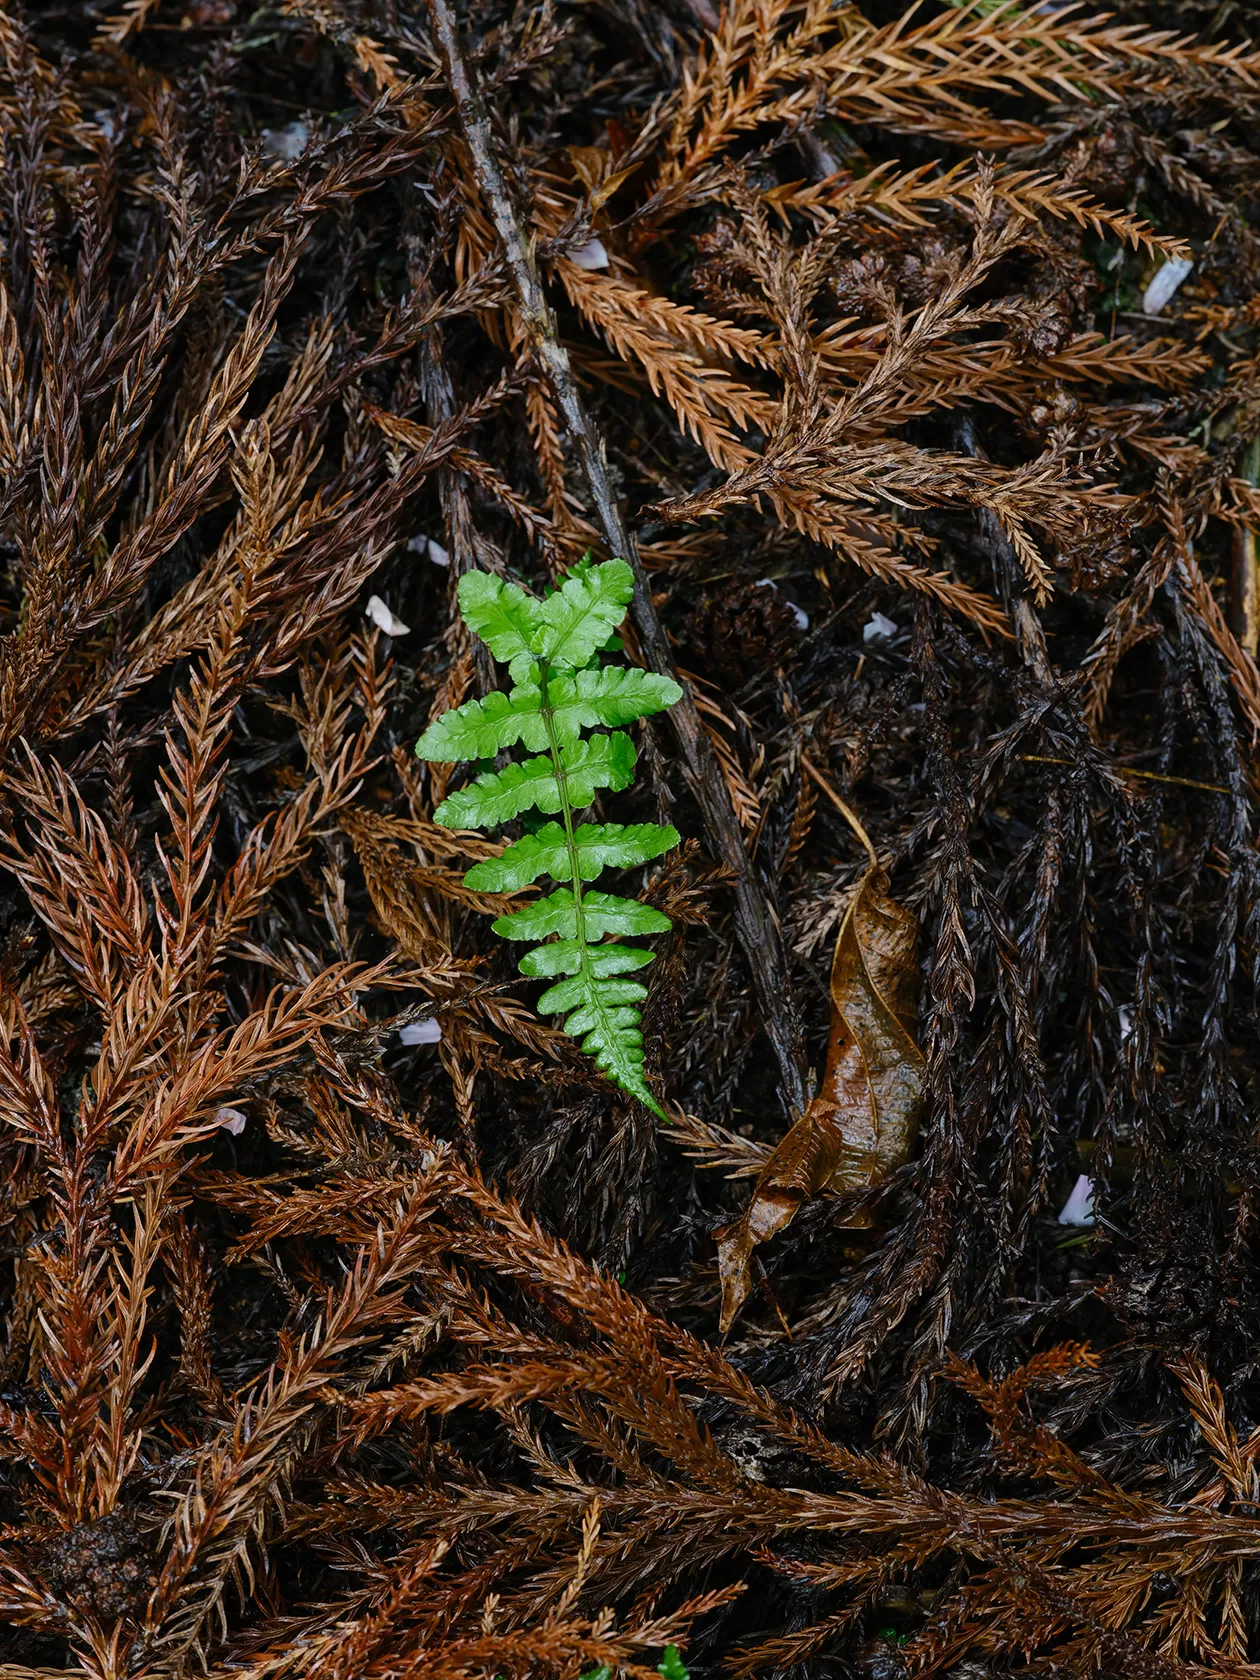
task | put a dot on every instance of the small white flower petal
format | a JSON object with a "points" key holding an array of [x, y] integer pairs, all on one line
{"points": [[1079, 1207], [590, 256], [231, 1119], [1163, 287], [801, 617], [419, 544], [878, 628], [286, 143], [420, 1032], [385, 620], [438, 554]]}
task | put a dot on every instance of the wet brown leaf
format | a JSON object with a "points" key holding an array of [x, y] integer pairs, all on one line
{"points": [[863, 1122]]}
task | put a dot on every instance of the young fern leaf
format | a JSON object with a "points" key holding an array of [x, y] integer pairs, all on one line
{"points": [[603, 761], [552, 648]]}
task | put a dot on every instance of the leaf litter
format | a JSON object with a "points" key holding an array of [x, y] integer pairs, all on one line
{"points": [[355, 1326], [862, 1123]]}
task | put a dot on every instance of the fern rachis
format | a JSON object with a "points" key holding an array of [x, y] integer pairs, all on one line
{"points": [[552, 649]]}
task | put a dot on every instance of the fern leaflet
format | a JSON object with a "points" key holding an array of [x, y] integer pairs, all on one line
{"points": [[552, 649]]}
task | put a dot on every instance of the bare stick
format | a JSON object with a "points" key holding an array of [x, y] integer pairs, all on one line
{"points": [[439, 397], [1244, 599], [755, 921]]}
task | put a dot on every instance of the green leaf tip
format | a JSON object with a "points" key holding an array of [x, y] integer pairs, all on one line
{"points": [[671, 1666], [579, 618], [505, 617], [552, 648]]}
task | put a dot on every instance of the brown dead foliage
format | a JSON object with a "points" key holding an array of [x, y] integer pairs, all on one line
{"points": [[352, 1329], [862, 1123]]}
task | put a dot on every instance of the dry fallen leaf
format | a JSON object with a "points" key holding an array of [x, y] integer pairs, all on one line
{"points": [[863, 1122]]}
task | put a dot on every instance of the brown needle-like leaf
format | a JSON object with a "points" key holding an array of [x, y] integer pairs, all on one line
{"points": [[863, 1121]]}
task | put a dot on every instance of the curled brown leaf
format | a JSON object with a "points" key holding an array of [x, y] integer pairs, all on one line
{"points": [[863, 1122]]}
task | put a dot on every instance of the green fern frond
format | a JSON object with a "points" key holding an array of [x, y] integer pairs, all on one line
{"points": [[611, 696], [551, 648], [604, 913], [568, 956], [578, 700], [604, 1014], [482, 728], [586, 766], [583, 613], [672, 1666], [599, 846], [505, 618]]}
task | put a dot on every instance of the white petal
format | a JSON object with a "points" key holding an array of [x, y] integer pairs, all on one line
{"points": [[384, 620], [418, 544], [591, 255], [878, 628], [802, 618], [288, 142], [420, 1032], [1079, 1207], [1124, 1016], [232, 1120], [438, 554], [1163, 287]]}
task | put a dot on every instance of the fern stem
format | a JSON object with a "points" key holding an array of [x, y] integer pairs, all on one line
{"points": [[575, 863], [608, 1029], [566, 809]]}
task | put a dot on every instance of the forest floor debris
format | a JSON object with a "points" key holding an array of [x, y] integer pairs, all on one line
{"points": [[354, 1328]]}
